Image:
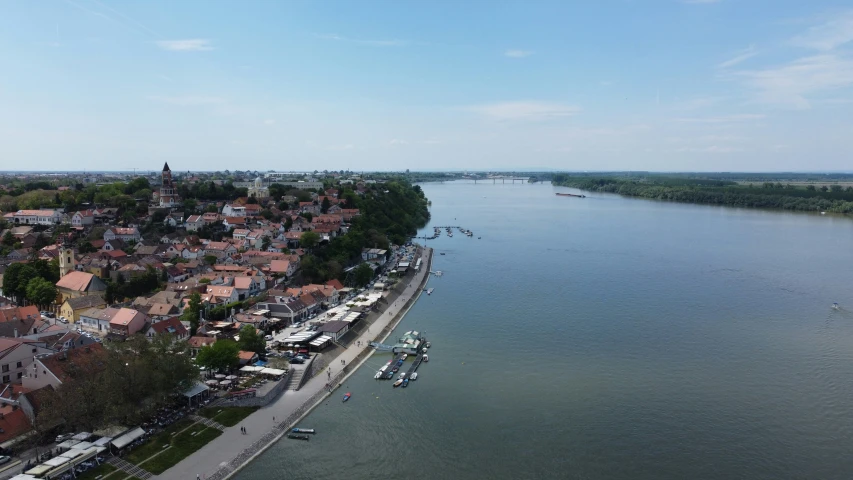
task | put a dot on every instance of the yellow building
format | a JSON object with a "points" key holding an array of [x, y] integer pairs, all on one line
{"points": [[72, 307]]}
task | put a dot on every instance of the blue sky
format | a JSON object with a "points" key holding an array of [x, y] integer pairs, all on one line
{"points": [[735, 85]]}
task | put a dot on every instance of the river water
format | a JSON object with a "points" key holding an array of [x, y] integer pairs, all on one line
{"points": [[608, 338]]}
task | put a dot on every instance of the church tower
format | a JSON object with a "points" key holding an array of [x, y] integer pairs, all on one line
{"points": [[66, 258], [168, 193]]}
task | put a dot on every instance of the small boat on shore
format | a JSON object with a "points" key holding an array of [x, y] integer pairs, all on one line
{"points": [[303, 430], [426, 358], [346, 396], [414, 376], [296, 436]]}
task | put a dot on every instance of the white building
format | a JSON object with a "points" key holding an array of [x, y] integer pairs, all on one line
{"points": [[35, 217]]}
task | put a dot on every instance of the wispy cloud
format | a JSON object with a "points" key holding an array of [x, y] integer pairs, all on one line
{"points": [[791, 84], [525, 111], [828, 35], [188, 101], [516, 53], [709, 149], [739, 57], [189, 45], [340, 148], [361, 41], [269, 121], [397, 141], [700, 2], [741, 117]]}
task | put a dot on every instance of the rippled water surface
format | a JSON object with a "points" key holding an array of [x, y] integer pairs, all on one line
{"points": [[608, 338]]}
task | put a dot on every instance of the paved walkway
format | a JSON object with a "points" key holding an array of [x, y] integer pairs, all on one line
{"points": [[232, 443]]}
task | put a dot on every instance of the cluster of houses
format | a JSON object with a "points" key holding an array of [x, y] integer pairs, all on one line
{"points": [[254, 260]]}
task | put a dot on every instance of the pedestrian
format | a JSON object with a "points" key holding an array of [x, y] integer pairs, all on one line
{"points": [[197, 477], [273, 419]]}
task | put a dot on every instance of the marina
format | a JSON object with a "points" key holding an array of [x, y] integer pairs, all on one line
{"points": [[397, 364], [449, 230]]}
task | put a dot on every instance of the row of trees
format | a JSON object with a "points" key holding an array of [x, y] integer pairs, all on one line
{"points": [[137, 285], [121, 384], [768, 195], [34, 282]]}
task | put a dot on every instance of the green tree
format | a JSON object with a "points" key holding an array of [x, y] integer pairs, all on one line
{"points": [[87, 247], [210, 259], [265, 244], [222, 355], [363, 274], [810, 188], [192, 312], [8, 238], [251, 340], [324, 207], [835, 188], [309, 239], [41, 292]]}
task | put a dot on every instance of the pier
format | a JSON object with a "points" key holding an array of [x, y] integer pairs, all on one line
{"points": [[449, 229]]}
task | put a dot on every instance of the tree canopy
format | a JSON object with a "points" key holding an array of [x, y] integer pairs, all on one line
{"points": [[251, 340], [222, 355]]}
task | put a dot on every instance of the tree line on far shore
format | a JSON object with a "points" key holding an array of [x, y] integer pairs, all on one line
{"points": [[832, 198]]}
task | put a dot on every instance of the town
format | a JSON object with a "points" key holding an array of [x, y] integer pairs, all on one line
{"points": [[142, 315]]}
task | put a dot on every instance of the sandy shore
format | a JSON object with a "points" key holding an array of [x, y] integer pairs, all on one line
{"points": [[232, 450]]}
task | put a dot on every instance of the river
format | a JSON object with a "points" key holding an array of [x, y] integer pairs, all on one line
{"points": [[607, 338]]}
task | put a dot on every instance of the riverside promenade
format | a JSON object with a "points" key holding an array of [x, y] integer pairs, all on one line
{"points": [[230, 451]]}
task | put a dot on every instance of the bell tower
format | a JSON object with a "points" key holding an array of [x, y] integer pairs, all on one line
{"points": [[66, 258]]}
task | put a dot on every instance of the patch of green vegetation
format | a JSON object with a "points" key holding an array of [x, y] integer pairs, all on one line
{"points": [[103, 469], [228, 416], [182, 446], [157, 442]]}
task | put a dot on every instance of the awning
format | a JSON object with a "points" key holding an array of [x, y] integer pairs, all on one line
{"points": [[128, 437], [82, 446], [73, 453], [195, 390], [68, 443], [273, 371], [249, 368], [56, 461], [103, 441], [82, 436], [320, 341]]}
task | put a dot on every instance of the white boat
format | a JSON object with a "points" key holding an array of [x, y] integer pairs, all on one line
{"points": [[426, 358], [378, 375], [414, 376], [428, 345], [405, 355], [424, 350], [429, 291]]}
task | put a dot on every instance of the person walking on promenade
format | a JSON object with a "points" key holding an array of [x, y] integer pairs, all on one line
{"points": [[197, 477]]}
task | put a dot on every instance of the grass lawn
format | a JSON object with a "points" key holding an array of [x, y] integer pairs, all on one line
{"points": [[102, 469], [228, 416], [157, 442], [182, 446]]}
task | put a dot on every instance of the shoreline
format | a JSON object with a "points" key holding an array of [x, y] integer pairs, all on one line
{"points": [[391, 327], [305, 402]]}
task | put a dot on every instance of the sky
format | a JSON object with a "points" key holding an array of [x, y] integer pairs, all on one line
{"points": [[659, 85]]}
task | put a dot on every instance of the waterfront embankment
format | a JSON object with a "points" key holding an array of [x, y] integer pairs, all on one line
{"points": [[232, 450]]}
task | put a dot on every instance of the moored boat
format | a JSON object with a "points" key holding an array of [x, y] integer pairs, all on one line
{"points": [[303, 430], [414, 376], [428, 345], [378, 375], [405, 382], [398, 382], [426, 358], [297, 436], [346, 396], [570, 195]]}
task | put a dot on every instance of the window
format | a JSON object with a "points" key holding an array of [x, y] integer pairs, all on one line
{"points": [[20, 365], [20, 375], [5, 368], [6, 379]]}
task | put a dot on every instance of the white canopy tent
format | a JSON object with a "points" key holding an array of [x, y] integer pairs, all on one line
{"points": [[128, 437], [68, 443], [102, 442], [273, 371]]}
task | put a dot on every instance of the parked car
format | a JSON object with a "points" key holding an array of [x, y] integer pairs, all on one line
{"points": [[63, 437], [5, 459], [297, 361], [268, 338]]}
